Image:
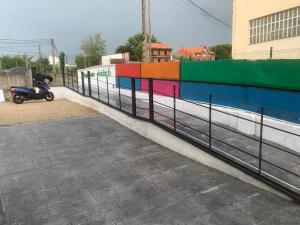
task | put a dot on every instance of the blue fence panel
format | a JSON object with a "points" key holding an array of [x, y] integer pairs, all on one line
{"points": [[278, 104], [125, 83]]}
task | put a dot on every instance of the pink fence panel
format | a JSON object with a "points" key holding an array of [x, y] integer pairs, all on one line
{"points": [[161, 87]]}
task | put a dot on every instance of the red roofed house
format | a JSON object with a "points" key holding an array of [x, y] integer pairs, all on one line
{"points": [[161, 52], [198, 53]]}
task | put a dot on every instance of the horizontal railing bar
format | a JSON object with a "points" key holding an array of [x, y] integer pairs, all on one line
{"points": [[141, 108], [163, 104], [163, 115], [237, 132], [279, 167], [196, 117], [192, 129], [235, 116], [284, 131], [280, 149], [236, 148]]}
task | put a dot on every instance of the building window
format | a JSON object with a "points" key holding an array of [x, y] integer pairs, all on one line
{"points": [[277, 26]]}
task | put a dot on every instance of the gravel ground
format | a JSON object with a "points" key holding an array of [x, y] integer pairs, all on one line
{"points": [[41, 111]]}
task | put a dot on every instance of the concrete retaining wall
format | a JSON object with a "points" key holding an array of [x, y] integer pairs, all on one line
{"points": [[8, 80], [162, 137]]}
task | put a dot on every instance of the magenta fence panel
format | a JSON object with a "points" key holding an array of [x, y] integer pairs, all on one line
{"points": [[162, 87]]}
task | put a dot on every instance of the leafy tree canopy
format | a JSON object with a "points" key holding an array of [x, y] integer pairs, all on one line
{"points": [[134, 46], [80, 61], [222, 51], [93, 48], [62, 56]]}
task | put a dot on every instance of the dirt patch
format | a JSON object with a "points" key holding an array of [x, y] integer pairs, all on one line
{"points": [[41, 111]]}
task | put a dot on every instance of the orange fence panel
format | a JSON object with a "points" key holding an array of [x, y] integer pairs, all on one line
{"points": [[161, 71]]}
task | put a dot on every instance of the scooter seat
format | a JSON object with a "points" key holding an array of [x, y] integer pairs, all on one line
{"points": [[32, 90]]}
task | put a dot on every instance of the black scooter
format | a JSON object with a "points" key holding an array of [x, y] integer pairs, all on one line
{"points": [[21, 94]]}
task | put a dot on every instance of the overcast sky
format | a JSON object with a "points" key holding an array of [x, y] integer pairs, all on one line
{"points": [[69, 21]]}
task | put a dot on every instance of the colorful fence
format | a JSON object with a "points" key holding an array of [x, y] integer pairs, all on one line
{"points": [[242, 84]]}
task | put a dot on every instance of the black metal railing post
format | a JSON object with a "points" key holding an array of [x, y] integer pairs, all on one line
{"points": [[174, 107], [63, 76], [261, 138], [98, 89], [89, 83], [210, 120], [151, 107], [107, 89], [72, 82], [82, 83], [68, 80], [120, 102], [133, 97]]}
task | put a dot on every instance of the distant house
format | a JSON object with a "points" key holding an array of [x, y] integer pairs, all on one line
{"points": [[114, 59], [198, 53], [161, 52]]}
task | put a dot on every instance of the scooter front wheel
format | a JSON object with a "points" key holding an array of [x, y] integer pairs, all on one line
{"points": [[18, 99], [49, 96]]}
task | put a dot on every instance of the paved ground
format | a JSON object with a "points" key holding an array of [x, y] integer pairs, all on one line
{"points": [[41, 111], [94, 171], [226, 142]]}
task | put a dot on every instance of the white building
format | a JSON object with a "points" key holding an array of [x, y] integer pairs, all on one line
{"points": [[115, 58]]}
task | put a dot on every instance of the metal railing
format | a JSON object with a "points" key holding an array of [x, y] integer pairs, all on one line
{"points": [[254, 154]]}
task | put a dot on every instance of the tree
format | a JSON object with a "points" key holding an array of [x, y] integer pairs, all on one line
{"points": [[62, 62], [134, 46], [42, 65], [93, 48], [222, 51], [8, 62], [80, 61]]}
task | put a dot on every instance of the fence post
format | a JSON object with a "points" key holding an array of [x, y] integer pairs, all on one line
{"points": [[133, 97], [82, 83], [98, 90], [63, 76], [261, 137], [72, 82], [120, 102], [107, 89], [210, 112], [271, 53], [174, 107], [68, 80], [151, 107], [89, 84]]}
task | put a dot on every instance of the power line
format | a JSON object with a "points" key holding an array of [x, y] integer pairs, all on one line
{"points": [[205, 12]]}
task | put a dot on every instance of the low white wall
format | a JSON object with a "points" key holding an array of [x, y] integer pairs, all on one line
{"points": [[162, 137], [2, 99]]}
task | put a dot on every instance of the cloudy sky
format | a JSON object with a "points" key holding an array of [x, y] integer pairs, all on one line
{"points": [[69, 21]]}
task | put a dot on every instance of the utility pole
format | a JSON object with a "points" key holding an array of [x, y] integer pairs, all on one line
{"points": [[144, 32], [53, 55], [0, 65], [26, 60], [149, 27]]}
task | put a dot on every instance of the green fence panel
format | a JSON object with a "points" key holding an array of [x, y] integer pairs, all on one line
{"points": [[278, 74]]}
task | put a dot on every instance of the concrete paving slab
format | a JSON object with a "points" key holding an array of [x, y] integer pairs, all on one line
{"points": [[92, 171]]}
